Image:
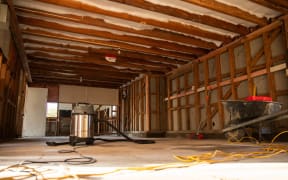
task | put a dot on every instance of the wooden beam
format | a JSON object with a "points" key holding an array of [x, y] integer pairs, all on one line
{"points": [[112, 44], [82, 66], [58, 76], [236, 80], [108, 35], [16, 34], [247, 49], [172, 25], [232, 72], [100, 56], [271, 5], [229, 10], [96, 60], [197, 95], [147, 123], [268, 57], [207, 95], [176, 12], [91, 50], [226, 47], [73, 82], [280, 3], [219, 91], [82, 71], [156, 33]]}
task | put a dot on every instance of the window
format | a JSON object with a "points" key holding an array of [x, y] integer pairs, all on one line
{"points": [[51, 110]]}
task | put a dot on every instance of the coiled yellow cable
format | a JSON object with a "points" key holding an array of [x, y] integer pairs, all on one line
{"points": [[216, 156]]}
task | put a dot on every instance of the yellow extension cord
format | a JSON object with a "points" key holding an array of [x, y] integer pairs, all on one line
{"points": [[217, 156]]}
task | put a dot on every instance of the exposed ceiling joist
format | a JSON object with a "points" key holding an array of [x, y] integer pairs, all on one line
{"points": [[108, 43], [229, 10], [175, 12], [272, 5], [172, 25], [156, 33]]}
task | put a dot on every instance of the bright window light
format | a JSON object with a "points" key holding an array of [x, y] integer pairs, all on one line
{"points": [[51, 110]]}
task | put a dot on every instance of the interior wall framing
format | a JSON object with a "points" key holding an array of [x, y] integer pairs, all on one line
{"points": [[252, 65], [143, 109], [12, 94]]}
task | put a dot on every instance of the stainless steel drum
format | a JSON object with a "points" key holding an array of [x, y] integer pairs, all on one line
{"points": [[82, 124]]}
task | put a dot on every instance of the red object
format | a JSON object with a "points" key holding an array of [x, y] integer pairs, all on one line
{"points": [[258, 98], [200, 136]]}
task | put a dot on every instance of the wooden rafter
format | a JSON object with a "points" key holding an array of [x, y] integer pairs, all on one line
{"points": [[96, 61], [74, 81], [156, 33], [172, 25], [15, 30], [113, 44], [175, 12], [98, 55], [84, 66], [114, 51], [75, 70], [271, 5], [108, 35], [229, 10]]}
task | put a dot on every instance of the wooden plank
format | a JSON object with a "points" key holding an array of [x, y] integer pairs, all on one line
{"points": [[229, 10], [207, 95], [169, 124], [232, 72], [285, 30], [236, 80], [172, 25], [176, 12], [107, 43], [219, 91], [158, 104], [17, 37], [197, 95], [156, 33], [179, 114], [187, 110], [237, 42], [113, 36], [271, 5], [147, 125], [268, 57], [249, 68]]}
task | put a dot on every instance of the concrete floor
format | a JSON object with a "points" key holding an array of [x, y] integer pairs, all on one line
{"points": [[114, 155]]}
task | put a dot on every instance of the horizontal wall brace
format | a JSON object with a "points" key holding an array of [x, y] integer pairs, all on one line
{"points": [[227, 82]]}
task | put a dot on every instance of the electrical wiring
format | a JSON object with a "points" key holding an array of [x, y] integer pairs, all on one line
{"points": [[72, 161], [217, 156]]}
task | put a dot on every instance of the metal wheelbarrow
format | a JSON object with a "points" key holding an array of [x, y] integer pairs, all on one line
{"points": [[250, 114]]}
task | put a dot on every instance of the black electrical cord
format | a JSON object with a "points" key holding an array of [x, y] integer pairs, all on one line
{"points": [[72, 161], [127, 138]]}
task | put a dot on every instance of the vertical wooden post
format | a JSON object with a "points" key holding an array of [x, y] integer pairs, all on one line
{"points": [[169, 127], [187, 110], [197, 94], [248, 67], [285, 30], [179, 116], [207, 95], [147, 124], [268, 57], [232, 72], [157, 96], [219, 90]]}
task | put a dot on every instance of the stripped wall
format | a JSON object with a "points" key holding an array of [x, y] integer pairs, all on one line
{"points": [[195, 90]]}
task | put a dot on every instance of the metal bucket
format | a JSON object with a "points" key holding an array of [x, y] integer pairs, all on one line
{"points": [[82, 124]]}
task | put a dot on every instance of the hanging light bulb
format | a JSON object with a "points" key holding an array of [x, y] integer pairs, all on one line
{"points": [[81, 79]]}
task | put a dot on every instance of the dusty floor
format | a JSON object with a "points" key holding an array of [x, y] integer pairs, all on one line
{"points": [[115, 155]]}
